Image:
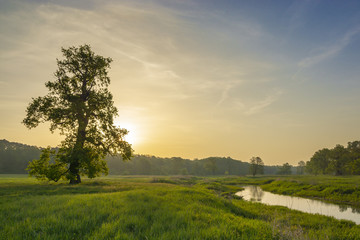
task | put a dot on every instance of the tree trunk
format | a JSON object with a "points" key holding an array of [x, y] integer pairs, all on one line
{"points": [[77, 152], [74, 171], [76, 180], [83, 121]]}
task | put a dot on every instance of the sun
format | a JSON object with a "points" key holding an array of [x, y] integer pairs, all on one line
{"points": [[131, 137]]}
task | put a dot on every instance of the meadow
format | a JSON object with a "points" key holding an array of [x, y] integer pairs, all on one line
{"points": [[138, 207], [342, 190]]}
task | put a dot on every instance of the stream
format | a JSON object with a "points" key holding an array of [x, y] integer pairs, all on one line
{"points": [[256, 194]]}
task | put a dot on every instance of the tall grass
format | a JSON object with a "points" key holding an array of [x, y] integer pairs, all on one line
{"points": [[144, 208]]}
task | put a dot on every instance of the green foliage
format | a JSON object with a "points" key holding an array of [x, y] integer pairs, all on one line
{"points": [[319, 162], [256, 166], [43, 169], [92, 164], [338, 160], [353, 167], [80, 106], [14, 157], [300, 168], [211, 166], [285, 169], [151, 165]]}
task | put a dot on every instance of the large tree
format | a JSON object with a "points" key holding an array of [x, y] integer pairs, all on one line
{"points": [[80, 105], [319, 162], [338, 159], [256, 166]]}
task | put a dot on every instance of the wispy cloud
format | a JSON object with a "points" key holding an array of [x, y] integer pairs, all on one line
{"points": [[155, 37], [330, 51], [175, 71], [256, 107], [298, 12], [225, 91]]}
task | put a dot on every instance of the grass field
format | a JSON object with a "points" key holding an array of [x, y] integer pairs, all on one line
{"points": [[153, 208], [344, 189]]}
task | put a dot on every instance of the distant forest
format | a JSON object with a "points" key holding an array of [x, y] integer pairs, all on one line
{"points": [[14, 158]]}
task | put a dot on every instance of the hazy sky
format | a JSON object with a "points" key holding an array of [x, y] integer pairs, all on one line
{"points": [[197, 78]]}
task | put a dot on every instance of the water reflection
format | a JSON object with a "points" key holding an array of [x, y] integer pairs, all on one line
{"points": [[343, 208], [256, 194]]}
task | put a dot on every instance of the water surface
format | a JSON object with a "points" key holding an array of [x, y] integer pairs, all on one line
{"points": [[256, 194]]}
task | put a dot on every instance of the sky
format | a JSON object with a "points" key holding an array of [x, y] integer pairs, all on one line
{"points": [[197, 78]]}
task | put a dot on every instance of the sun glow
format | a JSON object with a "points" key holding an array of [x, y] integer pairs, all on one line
{"points": [[131, 137]]}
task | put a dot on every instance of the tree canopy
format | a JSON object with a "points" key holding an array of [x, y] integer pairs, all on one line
{"points": [[256, 166], [339, 160], [301, 167], [81, 107], [285, 169]]}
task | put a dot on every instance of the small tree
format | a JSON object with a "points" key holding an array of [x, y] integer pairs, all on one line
{"points": [[256, 166], [81, 107], [300, 168], [285, 169]]}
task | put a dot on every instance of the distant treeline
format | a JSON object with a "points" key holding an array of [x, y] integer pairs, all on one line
{"points": [[14, 158], [151, 165], [339, 160]]}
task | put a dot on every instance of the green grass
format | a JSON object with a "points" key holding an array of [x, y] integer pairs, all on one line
{"points": [[152, 208], [330, 188]]}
